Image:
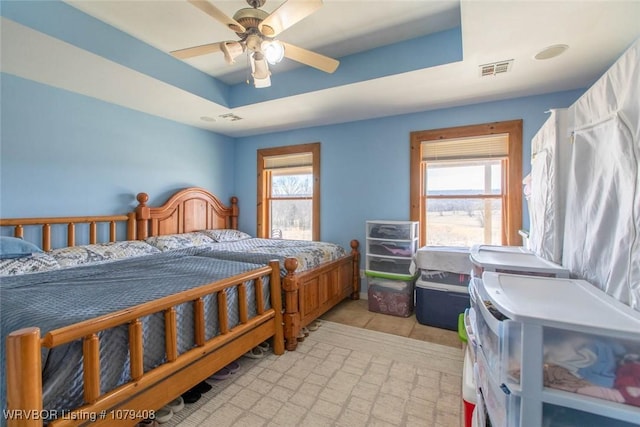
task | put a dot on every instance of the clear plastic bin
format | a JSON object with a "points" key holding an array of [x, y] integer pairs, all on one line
{"points": [[394, 297], [392, 248], [389, 265], [389, 230]]}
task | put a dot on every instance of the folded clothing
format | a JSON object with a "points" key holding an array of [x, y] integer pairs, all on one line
{"points": [[628, 382], [591, 359]]}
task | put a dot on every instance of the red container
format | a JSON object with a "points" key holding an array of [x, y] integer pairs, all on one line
{"points": [[469, 391]]}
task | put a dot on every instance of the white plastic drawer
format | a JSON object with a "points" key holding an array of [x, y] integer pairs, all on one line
{"points": [[469, 326], [474, 282], [502, 407], [500, 342], [560, 416], [392, 230], [389, 265], [607, 363], [392, 248]]}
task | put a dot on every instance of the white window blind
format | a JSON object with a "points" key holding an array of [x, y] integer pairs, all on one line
{"points": [[485, 147], [288, 161]]}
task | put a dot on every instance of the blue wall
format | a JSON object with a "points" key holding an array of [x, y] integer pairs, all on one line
{"points": [[365, 164], [67, 154]]}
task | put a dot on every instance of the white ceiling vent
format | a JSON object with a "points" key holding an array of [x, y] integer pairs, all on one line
{"points": [[496, 68], [230, 117]]}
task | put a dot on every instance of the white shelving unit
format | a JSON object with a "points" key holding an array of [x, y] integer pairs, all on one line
{"points": [[539, 311], [390, 249]]}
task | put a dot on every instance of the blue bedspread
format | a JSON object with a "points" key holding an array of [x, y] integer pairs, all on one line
{"points": [[51, 300]]}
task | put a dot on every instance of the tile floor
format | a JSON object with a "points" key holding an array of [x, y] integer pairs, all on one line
{"points": [[356, 313], [339, 376]]}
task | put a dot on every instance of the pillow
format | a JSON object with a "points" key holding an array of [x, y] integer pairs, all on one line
{"points": [[13, 247], [180, 241], [100, 252], [227, 235], [29, 264]]}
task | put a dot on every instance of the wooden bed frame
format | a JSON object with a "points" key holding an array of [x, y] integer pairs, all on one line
{"points": [[131, 402], [307, 294]]}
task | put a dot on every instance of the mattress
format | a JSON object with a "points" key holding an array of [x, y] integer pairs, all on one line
{"points": [[86, 292]]}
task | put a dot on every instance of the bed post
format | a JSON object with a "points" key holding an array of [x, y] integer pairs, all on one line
{"points": [[24, 378], [131, 226], [142, 216], [291, 315], [234, 213], [276, 303], [355, 254]]}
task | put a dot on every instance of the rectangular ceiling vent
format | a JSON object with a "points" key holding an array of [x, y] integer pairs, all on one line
{"points": [[230, 117], [496, 68]]}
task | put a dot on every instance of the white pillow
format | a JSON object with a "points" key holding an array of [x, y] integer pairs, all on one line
{"points": [[180, 241], [100, 252], [227, 235]]}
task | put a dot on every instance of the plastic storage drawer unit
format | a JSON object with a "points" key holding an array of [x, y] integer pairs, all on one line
{"points": [[590, 344], [439, 304], [394, 297], [513, 260]]}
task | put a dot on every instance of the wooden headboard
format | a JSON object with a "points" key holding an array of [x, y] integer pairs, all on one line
{"points": [[191, 209]]}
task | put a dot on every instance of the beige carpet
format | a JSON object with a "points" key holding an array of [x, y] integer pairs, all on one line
{"points": [[339, 376]]}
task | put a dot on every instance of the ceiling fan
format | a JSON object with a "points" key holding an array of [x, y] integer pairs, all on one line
{"points": [[257, 30]]}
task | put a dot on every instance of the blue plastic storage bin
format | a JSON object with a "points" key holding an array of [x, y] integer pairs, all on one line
{"points": [[439, 304]]}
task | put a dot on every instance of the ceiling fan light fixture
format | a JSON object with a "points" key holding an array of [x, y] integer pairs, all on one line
{"points": [[260, 70], [262, 83], [231, 50], [273, 51], [256, 29]]}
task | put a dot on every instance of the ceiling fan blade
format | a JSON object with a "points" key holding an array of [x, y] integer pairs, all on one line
{"points": [[287, 14], [190, 52], [312, 59], [217, 14]]}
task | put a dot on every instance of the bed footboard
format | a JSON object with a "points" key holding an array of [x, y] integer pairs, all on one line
{"points": [[310, 294], [146, 391]]}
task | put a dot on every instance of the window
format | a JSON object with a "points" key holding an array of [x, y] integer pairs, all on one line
{"points": [[466, 184], [289, 192]]}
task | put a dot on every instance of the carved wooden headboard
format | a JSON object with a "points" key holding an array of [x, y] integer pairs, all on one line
{"points": [[190, 209]]}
